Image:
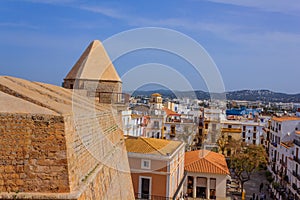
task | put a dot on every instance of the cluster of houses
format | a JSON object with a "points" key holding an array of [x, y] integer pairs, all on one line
{"points": [[284, 157], [174, 147], [158, 142], [195, 127]]}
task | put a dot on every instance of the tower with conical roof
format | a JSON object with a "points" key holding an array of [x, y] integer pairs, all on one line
{"points": [[95, 73]]}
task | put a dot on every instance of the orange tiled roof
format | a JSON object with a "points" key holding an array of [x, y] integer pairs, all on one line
{"points": [[170, 112], [151, 145], [204, 161], [285, 118]]}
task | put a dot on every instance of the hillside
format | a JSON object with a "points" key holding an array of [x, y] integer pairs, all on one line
{"points": [[248, 95]]}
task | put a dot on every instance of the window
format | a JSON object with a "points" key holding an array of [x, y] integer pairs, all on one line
{"points": [[173, 129], [214, 127], [206, 126], [229, 126], [146, 164], [228, 152], [244, 128], [229, 137], [254, 135], [156, 124], [244, 134], [254, 128], [279, 127]]}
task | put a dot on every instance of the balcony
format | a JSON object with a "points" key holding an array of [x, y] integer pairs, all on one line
{"points": [[297, 159], [112, 98], [143, 196], [296, 175], [294, 186], [297, 142], [231, 130], [274, 144]]}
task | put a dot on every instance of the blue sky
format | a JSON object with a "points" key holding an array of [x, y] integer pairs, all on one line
{"points": [[254, 43]]}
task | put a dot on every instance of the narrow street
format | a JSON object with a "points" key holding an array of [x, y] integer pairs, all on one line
{"points": [[252, 186]]}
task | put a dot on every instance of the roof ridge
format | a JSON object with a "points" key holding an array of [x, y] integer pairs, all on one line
{"points": [[151, 145], [195, 160], [217, 165], [205, 158]]}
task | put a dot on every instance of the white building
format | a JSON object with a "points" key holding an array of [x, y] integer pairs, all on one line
{"points": [[283, 156], [132, 123], [157, 117]]}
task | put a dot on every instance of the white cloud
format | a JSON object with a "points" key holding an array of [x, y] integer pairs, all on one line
{"points": [[103, 10]]}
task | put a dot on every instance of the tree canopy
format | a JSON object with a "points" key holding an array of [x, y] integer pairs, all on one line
{"points": [[246, 162]]}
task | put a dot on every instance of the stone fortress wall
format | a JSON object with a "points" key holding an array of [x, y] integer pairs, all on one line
{"points": [[49, 152]]}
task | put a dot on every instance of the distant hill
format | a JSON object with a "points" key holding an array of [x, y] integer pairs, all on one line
{"points": [[263, 95], [247, 95]]}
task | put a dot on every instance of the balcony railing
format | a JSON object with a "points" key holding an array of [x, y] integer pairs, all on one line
{"points": [[296, 159], [294, 186], [296, 175], [297, 142], [231, 130], [274, 144], [152, 197], [112, 97]]}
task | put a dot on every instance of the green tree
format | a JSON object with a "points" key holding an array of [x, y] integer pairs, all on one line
{"points": [[249, 160], [222, 144], [229, 144]]}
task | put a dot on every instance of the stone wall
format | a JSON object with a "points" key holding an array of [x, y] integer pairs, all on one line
{"points": [[75, 150], [33, 154]]}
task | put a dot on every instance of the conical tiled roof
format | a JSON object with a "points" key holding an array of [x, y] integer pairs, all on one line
{"points": [[94, 64]]}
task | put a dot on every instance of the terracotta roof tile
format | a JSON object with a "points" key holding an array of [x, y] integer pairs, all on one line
{"points": [[151, 145], [170, 112], [285, 118], [204, 161]]}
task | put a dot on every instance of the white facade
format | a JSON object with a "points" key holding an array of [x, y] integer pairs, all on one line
{"points": [[284, 155], [131, 123], [252, 132], [214, 183]]}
